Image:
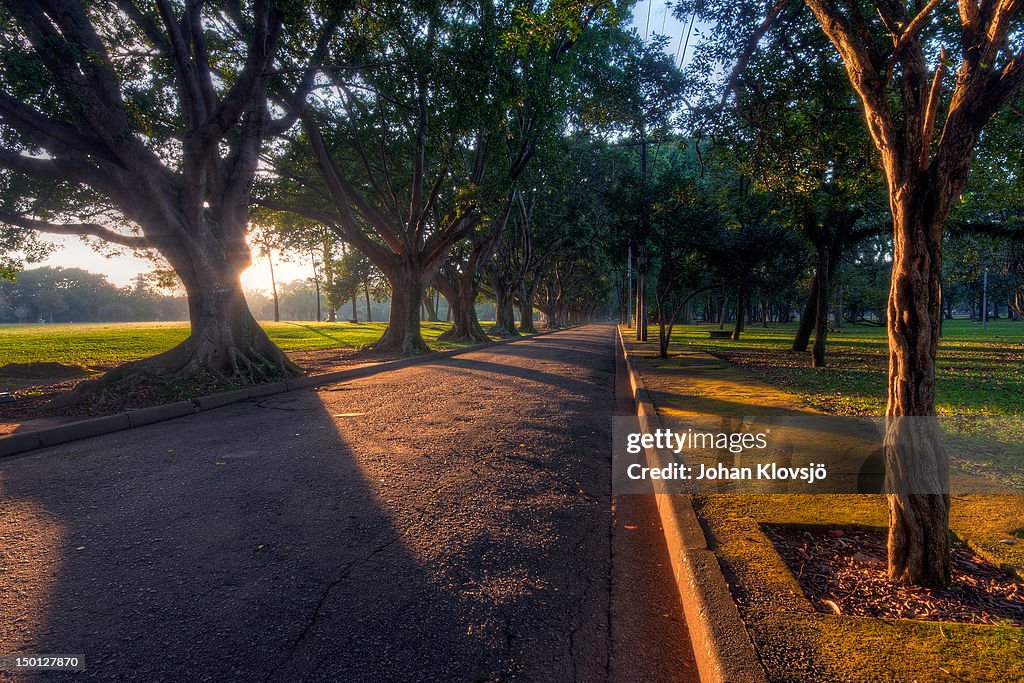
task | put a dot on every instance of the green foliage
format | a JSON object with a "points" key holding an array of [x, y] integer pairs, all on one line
{"points": [[549, 24]]}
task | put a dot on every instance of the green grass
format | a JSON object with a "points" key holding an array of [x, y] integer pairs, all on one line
{"points": [[103, 345], [978, 373], [793, 641]]}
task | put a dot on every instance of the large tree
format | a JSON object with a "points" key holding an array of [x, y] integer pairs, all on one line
{"points": [[143, 123], [786, 121], [925, 124], [926, 146]]}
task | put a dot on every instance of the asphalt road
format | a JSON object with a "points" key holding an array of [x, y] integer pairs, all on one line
{"points": [[451, 521]]}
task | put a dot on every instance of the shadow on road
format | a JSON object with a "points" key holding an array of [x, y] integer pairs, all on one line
{"points": [[362, 533]]}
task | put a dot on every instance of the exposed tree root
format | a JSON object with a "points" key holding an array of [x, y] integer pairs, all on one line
{"points": [[194, 367]]}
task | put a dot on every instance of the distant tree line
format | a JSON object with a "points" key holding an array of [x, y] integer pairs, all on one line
{"points": [[74, 295]]}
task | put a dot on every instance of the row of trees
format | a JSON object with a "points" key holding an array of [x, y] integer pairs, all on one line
{"points": [[522, 151], [403, 137]]}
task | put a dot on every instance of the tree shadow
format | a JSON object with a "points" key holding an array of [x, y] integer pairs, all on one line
{"points": [[275, 540]]}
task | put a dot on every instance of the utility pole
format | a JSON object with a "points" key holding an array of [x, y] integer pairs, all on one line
{"points": [[641, 255], [629, 286], [984, 302]]}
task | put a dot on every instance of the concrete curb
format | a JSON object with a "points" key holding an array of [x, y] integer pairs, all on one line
{"points": [[23, 442], [721, 644]]}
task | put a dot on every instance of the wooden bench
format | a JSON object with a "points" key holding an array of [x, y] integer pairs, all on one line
{"points": [[720, 334]]}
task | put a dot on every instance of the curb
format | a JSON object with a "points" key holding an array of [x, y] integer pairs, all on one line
{"points": [[23, 442], [721, 644]]}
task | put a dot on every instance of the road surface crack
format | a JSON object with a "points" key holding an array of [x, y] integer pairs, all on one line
{"points": [[345, 573]]}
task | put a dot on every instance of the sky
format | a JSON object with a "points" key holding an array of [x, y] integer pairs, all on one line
{"points": [[649, 17]]}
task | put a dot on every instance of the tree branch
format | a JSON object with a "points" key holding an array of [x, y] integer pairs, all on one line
{"points": [[751, 47], [79, 229]]}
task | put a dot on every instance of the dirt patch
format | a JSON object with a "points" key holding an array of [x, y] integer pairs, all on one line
{"points": [[843, 571]]}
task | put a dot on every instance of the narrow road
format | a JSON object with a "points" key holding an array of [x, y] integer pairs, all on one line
{"points": [[450, 521]]}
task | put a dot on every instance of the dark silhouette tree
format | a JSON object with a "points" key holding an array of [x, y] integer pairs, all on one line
{"points": [[144, 123]]}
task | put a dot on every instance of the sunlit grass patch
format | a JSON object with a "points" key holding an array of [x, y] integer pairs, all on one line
{"points": [[102, 345]]}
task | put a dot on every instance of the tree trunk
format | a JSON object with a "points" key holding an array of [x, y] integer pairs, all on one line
{"points": [[821, 310], [273, 286], [316, 279], [461, 296], [663, 333], [428, 303], [641, 294], [403, 332], [504, 314], [917, 469], [806, 326], [526, 311], [226, 348], [741, 310], [355, 311], [546, 319], [332, 303]]}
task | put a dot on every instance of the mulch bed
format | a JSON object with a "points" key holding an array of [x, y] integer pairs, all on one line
{"points": [[35, 399], [843, 571]]}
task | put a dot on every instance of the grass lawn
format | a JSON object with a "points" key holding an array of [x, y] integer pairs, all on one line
{"points": [[979, 382], [793, 640], [978, 373], [105, 344]]}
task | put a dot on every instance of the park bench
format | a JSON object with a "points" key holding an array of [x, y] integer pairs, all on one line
{"points": [[719, 334]]}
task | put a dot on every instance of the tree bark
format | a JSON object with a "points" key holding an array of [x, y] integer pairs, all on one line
{"points": [[226, 346], [428, 303], [741, 310], [504, 313], [460, 290], [917, 468], [403, 332], [806, 325], [273, 287], [526, 325]]}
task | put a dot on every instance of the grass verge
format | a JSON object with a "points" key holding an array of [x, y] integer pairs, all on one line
{"points": [[795, 642]]}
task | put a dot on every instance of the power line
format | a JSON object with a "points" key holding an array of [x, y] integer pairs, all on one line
{"points": [[689, 31]]}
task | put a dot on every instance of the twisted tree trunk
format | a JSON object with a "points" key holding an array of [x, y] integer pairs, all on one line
{"points": [[460, 291], [917, 467], [526, 325], [225, 347], [403, 332]]}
